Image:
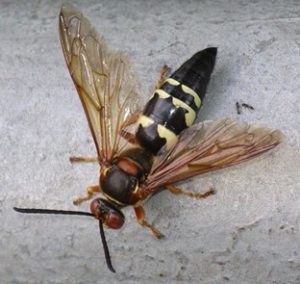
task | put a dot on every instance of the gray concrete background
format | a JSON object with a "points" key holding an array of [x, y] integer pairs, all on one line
{"points": [[247, 233]]}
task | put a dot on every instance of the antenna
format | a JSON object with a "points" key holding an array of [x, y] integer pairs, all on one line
{"points": [[51, 211], [67, 212], [105, 248]]}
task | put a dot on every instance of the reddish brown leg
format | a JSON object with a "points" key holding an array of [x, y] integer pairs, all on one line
{"points": [[177, 191], [128, 137], [90, 191], [75, 159], [140, 216], [129, 121], [162, 76]]}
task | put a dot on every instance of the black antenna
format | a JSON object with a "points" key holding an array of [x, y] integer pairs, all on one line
{"points": [[51, 211], [67, 212], [105, 248]]}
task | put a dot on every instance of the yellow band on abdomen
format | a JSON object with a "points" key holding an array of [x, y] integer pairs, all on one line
{"points": [[186, 90], [189, 116]]}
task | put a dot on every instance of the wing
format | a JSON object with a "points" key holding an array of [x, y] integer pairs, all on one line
{"points": [[104, 81], [210, 146]]}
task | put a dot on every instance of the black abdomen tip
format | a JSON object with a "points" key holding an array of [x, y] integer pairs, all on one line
{"points": [[211, 50], [203, 61]]}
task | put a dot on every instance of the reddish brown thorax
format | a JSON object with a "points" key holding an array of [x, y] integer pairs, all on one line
{"points": [[128, 167], [120, 182]]}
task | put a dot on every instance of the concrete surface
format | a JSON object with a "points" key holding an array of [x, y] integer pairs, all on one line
{"points": [[247, 233]]}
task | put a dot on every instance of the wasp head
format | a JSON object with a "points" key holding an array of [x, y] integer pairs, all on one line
{"points": [[108, 213]]}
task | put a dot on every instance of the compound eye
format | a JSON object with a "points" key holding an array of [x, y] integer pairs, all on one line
{"points": [[110, 215], [114, 220]]}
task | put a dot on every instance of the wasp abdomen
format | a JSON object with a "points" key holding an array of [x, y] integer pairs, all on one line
{"points": [[174, 106]]}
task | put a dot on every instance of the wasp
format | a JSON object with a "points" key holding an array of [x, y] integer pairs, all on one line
{"points": [[142, 151]]}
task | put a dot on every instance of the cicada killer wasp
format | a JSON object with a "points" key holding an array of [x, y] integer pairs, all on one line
{"points": [[166, 146]]}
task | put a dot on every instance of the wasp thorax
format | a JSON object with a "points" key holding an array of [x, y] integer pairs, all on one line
{"points": [[110, 215], [118, 185]]}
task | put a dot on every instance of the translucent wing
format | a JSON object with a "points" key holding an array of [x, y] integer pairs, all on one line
{"points": [[210, 146], [104, 81]]}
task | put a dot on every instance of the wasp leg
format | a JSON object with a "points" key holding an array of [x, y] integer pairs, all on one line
{"points": [[177, 191], [128, 137], [163, 74], [90, 191], [75, 159], [140, 216], [129, 121]]}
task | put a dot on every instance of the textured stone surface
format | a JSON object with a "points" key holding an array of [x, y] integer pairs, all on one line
{"points": [[247, 233]]}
